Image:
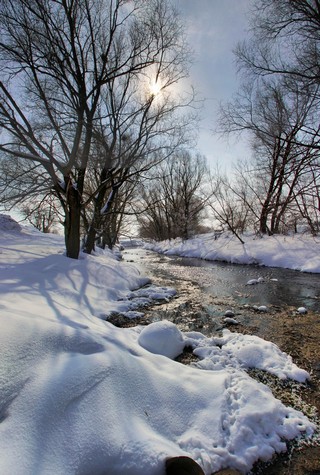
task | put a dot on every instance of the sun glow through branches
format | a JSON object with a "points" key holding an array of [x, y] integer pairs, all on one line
{"points": [[155, 87]]}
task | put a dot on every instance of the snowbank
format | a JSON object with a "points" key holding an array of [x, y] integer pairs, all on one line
{"points": [[298, 252], [81, 396]]}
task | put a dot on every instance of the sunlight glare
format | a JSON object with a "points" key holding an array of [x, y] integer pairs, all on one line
{"points": [[155, 87]]}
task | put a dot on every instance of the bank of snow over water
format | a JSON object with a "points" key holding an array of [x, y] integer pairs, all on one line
{"points": [[297, 252], [80, 396]]}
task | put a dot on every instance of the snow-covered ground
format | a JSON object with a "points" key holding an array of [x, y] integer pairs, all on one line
{"points": [[80, 396], [299, 252]]}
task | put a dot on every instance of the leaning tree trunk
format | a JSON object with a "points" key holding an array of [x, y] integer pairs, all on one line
{"points": [[72, 222]]}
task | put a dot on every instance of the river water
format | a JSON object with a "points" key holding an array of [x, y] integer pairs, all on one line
{"points": [[229, 282]]}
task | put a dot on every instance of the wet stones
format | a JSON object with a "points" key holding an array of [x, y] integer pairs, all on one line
{"points": [[229, 313]]}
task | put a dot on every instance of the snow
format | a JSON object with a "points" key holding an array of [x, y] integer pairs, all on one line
{"points": [[297, 252], [302, 310], [246, 351], [162, 338], [79, 395], [144, 297]]}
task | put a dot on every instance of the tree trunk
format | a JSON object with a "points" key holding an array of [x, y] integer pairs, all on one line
{"points": [[72, 222], [90, 239], [263, 221], [95, 223]]}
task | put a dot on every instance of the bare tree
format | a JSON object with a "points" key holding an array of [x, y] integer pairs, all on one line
{"points": [[278, 106], [307, 198], [285, 42], [174, 200], [285, 39], [110, 221], [59, 61], [117, 220], [233, 200], [44, 214], [276, 118]]}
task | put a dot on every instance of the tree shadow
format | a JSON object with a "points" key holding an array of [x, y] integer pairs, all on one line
{"points": [[60, 281]]}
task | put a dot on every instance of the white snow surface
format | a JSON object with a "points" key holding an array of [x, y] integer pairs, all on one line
{"points": [[299, 252], [80, 396], [162, 338]]}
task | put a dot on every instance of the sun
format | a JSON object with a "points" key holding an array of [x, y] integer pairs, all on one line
{"points": [[155, 88]]}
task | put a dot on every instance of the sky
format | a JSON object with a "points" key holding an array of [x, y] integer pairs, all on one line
{"points": [[214, 27]]}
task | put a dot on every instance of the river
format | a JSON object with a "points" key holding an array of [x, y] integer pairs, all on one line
{"points": [[206, 290], [280, 287]]}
